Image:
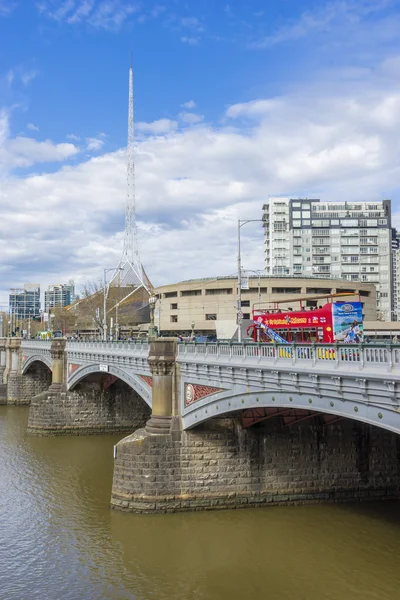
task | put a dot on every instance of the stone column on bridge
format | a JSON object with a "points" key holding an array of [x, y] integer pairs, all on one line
{"points": [[3, 386], [2, 358], [12, 371], [58, 382], [162, 366]]}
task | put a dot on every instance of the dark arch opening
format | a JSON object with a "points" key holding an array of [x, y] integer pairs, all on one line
{"points": [[299, 456], [35, 380], [106, 401]]}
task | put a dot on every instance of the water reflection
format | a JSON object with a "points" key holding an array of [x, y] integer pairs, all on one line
{"points": [[59, 539]]}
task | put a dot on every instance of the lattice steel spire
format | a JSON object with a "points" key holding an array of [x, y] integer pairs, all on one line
{"points": [[130, 271], [131, 249]]}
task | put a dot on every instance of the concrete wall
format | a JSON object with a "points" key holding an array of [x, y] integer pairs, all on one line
{"points": [[88, 409], [222, 466]]}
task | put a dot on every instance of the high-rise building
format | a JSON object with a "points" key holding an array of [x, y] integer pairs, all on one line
{"points": [[25, 302], [346, 240], [60, 294], [396, 274]]}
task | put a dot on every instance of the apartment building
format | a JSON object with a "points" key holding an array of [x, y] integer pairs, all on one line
{"points": [[61, 294], [351, 241], [24, 302]]}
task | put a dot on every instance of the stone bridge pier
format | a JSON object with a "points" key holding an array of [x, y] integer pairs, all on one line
{"points": [[3, 385]]}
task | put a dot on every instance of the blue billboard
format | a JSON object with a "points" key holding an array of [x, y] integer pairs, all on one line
{"points": [[347, 322]]}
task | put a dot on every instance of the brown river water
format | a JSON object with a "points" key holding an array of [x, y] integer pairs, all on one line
{"points": [[59, 539]]}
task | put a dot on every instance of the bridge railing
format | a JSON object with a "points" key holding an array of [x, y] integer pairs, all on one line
{"points": [[111, 347], [388, 354], [36, 344]]}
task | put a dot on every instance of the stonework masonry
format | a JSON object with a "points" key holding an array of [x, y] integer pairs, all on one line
{"points": [[224, 466], [22, 388], [88, 409]]}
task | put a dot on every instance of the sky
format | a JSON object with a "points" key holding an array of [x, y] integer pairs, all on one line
{"points": [[233, 102]]}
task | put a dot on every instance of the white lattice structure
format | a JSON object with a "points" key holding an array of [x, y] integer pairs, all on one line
{"points": [[130, 272]]}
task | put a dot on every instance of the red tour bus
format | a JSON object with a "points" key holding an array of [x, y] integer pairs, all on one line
{"points": [[332, 321]]}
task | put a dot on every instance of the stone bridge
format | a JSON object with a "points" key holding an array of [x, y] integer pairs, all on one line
{"points": [[222, 424]]}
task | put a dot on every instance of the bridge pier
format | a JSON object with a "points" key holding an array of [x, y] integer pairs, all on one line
{"points": [[13, 372], [3, 385], [220, 465], [146, 461]]}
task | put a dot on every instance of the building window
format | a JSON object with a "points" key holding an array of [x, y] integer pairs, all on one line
{"points": [[245, 303], [191, 293], [218, 291], [170, 294], [246, 315], [174, 307], [317, 290], [286, 290], [211, 317], [173, 318]]}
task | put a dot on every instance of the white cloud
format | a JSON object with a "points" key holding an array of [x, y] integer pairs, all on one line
{"points": [[94, 144], [6, 7], [255, 108], [157, 127], [22, 151], [100, 14], [158, 10], [32, 127], [81, 12], [111, 14], [191, 23], [28, 76], [191, 40], [194, 183], [189, 104], [321, 18], [72, 136], [10, 76], [190, 118]]}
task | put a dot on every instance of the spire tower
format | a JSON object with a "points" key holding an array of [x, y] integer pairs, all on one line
{"points": [[130, 272]]}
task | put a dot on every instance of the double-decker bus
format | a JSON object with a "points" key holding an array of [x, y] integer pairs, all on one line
{"points": [[334, 320]]}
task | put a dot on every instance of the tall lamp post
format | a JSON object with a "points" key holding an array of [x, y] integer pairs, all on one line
{"points": [[105, 293], [239, 298], [152, 328]]}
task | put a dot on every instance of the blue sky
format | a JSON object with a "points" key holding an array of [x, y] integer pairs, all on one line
{"points": [[233, 101]]}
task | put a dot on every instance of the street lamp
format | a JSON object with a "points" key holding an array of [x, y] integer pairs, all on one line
{"points": [[152, 328], [105, 293], [258, 273], [239, 298]]}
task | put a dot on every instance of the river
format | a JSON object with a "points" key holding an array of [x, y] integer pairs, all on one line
{"points": [[59, 540]]}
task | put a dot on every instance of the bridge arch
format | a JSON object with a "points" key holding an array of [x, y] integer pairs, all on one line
{"points": [[40, 358], [134, 381], [221, 404]]}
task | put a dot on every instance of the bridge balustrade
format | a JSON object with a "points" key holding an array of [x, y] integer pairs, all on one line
{"points": [[362, 354]]}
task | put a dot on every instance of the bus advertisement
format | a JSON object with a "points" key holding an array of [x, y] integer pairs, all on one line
{"points": [[334, 321]]}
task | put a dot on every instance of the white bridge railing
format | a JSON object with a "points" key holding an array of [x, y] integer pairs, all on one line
{"points": [[363, 354], [117, 347]]}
